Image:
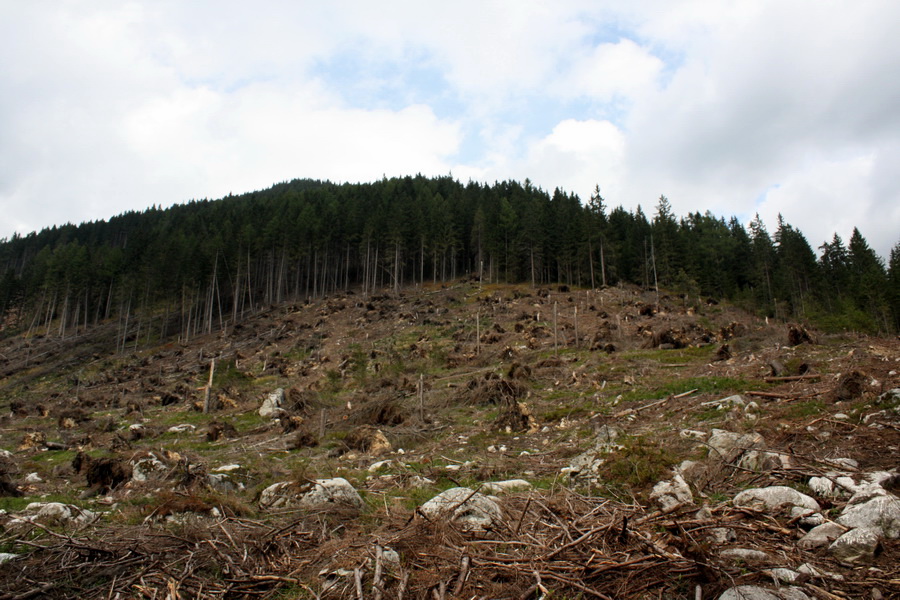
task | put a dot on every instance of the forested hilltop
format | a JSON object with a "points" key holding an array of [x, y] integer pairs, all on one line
{"points": [[201, 266]]}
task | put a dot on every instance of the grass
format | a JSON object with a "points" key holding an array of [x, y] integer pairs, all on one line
{"points": [[702, 385]]}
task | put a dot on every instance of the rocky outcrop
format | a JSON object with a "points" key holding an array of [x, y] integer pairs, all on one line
{"points": [[469, 509], [322, 493]]}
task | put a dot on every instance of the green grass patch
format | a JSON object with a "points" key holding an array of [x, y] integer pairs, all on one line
{"points": [[702, 385]]}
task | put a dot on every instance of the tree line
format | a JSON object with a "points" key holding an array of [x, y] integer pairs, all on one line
{"points": [[204, 265]]}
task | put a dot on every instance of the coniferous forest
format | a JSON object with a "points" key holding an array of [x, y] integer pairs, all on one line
{"points": [[202, 266]]}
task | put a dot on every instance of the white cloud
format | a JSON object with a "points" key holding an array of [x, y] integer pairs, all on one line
{"points": [[612, 69], [108, 106]]}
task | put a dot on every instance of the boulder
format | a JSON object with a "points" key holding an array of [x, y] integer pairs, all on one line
{"points": [[147, 467], [746, 555], [862, 544], [752, 592], [471, 510], [321, 493], [775, 497], [672, 492], [506, 487], [272, 405], [747, 450], [589, 462], [880, 512], [57, 513], [821, 535]]}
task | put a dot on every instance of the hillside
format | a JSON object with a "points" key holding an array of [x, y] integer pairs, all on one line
{"points": [[592, 398]]}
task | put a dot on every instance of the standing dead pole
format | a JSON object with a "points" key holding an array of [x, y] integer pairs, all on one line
{"points": [[212, 371], [576, 326], [422, 398], [555, 331], [477, 332]]}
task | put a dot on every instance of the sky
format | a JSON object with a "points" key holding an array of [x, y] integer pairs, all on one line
{"points": [[738, 107]]}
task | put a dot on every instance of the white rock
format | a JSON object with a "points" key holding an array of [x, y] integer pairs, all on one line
{"points": [[671, 492], [471, 510], [844, 463], [381, 464], [782, 575], [746, 555], [228, 468], [223, 482], [822, 535], [6, 557], [319, 494], [419, 481], [147, 468], [33, 478], [59, 513], [726, 403], [271, 406], [881, 512], [752, 592], [326, 492], [721, 535], [506, 487], [183, 428], [857, 545], [748, 592], [812, 570], [774, 497], [692, 434], [589, 462]]}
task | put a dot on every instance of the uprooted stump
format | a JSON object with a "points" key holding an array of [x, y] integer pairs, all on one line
{"points": [[220, 429], [515, 417], [799, 335], [850, 386], [670, 339], [102, 474], [369, 439], [492, 389]]}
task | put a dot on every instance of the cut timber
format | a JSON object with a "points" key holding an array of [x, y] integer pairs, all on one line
{"points": [[792, 378]]}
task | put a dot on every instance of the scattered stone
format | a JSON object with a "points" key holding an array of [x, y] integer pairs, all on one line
{"points": [[33, 478], [321, 493], [672, 492], [471, 510], [813, 571], [862, 544], [721, 535], [148, 467], [782, 575], [588, 463], [775, 497], [746, 555], [272, 405], [726, 403], [881, 513], [183, 428], [381, 464], [506, 487], [752, 592], [57, 513]]}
